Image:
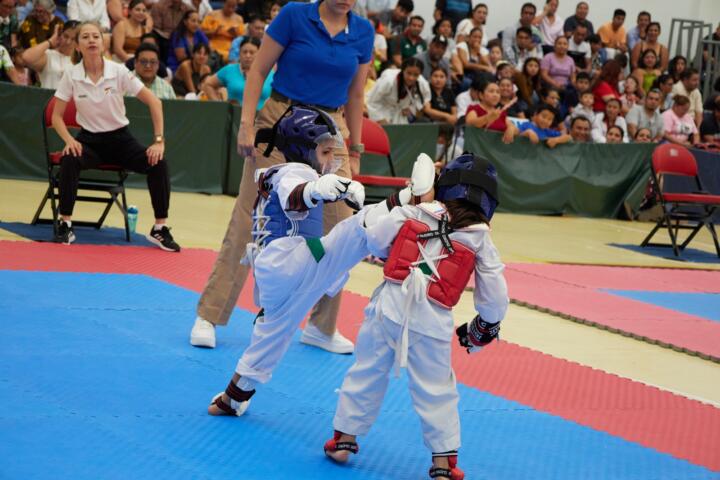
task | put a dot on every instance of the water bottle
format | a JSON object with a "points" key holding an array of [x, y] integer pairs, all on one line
{"points": [[132, 216]]}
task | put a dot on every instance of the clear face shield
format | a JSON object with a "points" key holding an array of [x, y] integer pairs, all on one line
{"points": [[323, 158]]}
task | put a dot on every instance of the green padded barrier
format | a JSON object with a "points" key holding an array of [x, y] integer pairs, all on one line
{"points": [[577, 178]]}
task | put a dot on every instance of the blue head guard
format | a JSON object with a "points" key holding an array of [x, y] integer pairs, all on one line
{"points": [[471, 178], [298, 132]]}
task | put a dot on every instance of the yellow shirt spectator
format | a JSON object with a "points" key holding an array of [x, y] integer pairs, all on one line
{"points": [[222, 26]]}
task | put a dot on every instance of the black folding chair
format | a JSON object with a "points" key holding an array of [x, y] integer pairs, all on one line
{"points": [[113, 187]]}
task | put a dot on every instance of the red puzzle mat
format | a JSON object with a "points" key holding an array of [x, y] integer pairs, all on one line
{"points": [[670, 423], [576, 292]]}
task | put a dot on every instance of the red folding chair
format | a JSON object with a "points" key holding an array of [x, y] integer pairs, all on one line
{"points": [[377, 142], [681, 211], [113, 187]]}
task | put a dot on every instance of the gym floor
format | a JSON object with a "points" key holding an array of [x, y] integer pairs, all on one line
{"points": [[608, 364]]}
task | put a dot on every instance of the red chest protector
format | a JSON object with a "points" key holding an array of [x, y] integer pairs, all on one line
{"points": [[454, 270]]}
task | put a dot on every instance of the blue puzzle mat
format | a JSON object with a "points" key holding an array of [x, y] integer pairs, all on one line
{"points": [[84, 235], [706, 305], [98, 381], [691, 255]]}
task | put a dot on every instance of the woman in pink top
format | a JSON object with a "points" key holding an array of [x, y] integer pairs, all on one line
{"points": [[680, 126], [557, 68], [605, 86]]}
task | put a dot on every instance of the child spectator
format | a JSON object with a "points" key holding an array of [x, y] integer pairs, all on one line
{"points": [[632, 95], [468, 97], [399, 95], [493, 57], [504, 70], [489, 115], [604, 120], [680, 126], [539, 129], [188, 75], [572, 93], [598, 55], [509, 100], [665, 84], [392, 23], [615, 135], [584, 108], [528, 82]]}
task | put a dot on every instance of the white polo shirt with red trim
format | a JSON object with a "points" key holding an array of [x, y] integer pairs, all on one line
{"points": [[100, 106]]}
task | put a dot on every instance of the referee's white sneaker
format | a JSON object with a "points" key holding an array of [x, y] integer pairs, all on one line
{"points": [[335, 343], [202, 333]]}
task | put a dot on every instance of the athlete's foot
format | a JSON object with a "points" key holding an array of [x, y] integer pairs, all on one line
{"points": [[233, 401], [340, 447]]}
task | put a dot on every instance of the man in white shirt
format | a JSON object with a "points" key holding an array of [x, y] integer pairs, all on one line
{"points": [[688, 86], [467, 98], [549, 23], [647, 116]]}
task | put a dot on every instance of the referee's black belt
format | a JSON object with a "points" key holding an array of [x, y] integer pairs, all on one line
{"points": [[275, 95]]}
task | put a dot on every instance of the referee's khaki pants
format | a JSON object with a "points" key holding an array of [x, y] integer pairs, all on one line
{"points": [[228, 276]]}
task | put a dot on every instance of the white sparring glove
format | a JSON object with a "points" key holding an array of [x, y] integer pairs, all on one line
{"points": [[422, 179], [329, 188], [355, 196]]}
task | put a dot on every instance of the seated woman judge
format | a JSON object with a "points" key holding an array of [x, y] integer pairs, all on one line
{"points": [[97, 86]]}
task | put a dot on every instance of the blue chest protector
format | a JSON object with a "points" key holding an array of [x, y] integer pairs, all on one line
{"points": [[278, 225]]}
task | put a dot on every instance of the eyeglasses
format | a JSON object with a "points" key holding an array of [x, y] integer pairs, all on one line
{"points": [[148, 63]]}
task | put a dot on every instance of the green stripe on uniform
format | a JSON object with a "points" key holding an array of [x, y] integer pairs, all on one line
{"points": [[316, 248]]}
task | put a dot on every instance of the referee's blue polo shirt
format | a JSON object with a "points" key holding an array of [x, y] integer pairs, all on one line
{"points": [[314, 67]]}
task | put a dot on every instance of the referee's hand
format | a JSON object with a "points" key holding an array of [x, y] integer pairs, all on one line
{"points": [[73, 147], [246, 142], [155, 153]]}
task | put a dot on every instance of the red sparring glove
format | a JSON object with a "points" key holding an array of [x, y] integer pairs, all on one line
{"points": [[476, 334]]}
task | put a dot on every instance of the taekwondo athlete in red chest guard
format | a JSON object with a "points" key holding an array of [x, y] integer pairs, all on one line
{"points": [[432, 249]]}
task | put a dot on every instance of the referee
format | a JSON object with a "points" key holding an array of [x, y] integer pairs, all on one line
{"points": [[323, 52], [97, 86]]}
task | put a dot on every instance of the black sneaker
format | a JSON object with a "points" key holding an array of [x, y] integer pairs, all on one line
{"points": [[163, 239], [65, 234]]}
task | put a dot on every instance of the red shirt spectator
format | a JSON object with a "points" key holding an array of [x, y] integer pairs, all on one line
{"points": [[499, 125], [602, 90]]}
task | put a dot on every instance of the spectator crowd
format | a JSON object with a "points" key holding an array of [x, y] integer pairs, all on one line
{"points": [[547, 78]]}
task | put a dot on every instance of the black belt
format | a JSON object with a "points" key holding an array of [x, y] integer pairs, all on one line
{"points": [[275, 95]]}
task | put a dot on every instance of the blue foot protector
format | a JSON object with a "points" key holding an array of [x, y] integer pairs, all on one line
{"points": [[98, 381]]}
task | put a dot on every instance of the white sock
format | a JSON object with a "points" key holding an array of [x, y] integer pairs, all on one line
{"points": [[158, 226], [68, 222]]}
